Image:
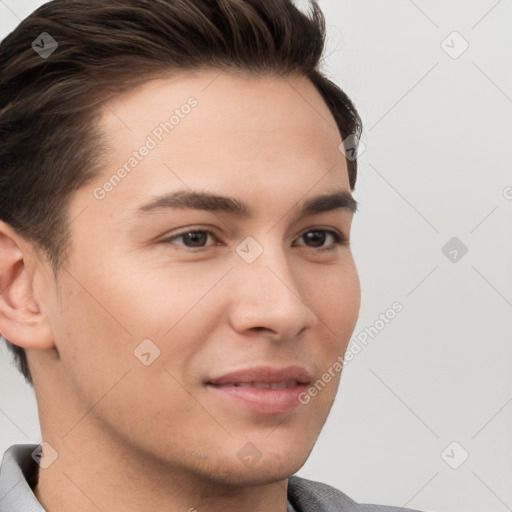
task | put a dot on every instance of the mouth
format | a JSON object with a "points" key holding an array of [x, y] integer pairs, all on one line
{"points": [[262, 398], [261, 385], [263, 375]]}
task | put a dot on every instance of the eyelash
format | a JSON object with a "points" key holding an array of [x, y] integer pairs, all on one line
{"points": [[339, 239]]}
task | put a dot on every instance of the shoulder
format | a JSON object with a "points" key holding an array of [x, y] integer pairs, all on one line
{"points": [[311, 496]]}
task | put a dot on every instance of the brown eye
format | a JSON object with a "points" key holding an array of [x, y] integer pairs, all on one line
{"points": [[193, 239], [316, 238]]}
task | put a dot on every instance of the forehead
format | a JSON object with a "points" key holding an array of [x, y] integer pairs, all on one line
{"points": [[228, 110], [226, 133]]}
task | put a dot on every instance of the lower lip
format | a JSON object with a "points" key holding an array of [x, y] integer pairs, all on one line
{"points": [[265, 401]]}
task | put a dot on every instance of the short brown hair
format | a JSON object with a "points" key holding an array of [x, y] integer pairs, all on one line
{"points": [[48, 145]]}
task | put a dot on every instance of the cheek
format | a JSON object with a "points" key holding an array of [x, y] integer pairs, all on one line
{"points": [[335, 296], [106, 379], [94, 340], [104, 316], [344, 309]]}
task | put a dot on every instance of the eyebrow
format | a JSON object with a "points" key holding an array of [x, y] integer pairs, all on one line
{"points": [[200, 200]]}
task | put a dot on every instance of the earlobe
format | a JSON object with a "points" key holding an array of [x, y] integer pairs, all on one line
{"points": [[22, 321]]}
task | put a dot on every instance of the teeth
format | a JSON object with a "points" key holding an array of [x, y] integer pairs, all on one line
{"points": [[265, 385]]}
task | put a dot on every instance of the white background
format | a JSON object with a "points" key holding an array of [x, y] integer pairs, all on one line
{"points": [[437, 164]]}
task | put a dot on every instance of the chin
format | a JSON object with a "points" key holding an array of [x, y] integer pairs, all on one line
{"points": [[274, 467], [257, 475]]}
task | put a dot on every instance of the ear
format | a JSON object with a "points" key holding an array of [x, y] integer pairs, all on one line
{"points": [[22, 321]]}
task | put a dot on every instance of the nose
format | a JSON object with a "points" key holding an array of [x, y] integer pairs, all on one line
{"points": [[268, 297]]}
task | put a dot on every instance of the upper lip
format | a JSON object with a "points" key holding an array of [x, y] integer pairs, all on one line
{"points": [[265, 374]]}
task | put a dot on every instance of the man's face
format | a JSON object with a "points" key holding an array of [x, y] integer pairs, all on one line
{"points": [[273, 289]]}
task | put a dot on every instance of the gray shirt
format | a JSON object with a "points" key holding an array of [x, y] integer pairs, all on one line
{"points": [[19, 473]]}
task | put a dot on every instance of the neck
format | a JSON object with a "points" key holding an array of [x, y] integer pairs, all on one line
{"points": [[90, 475]]}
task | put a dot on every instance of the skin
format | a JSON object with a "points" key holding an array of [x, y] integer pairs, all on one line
{"points": [[132, 437]]}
